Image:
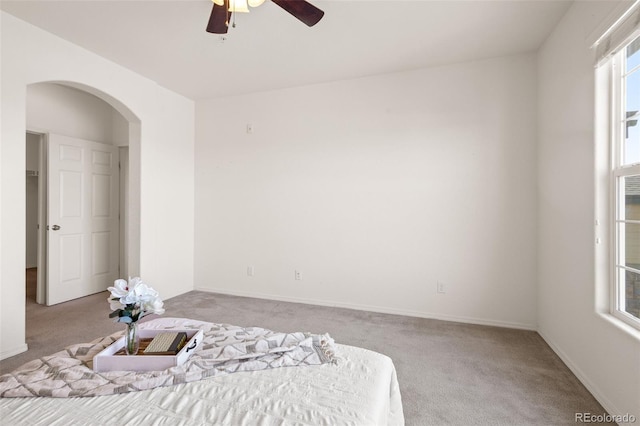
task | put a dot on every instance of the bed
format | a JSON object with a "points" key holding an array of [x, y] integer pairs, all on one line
{"points": [[359, 388]]}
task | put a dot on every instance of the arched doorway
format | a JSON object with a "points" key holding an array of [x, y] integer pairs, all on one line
{"points": [[79, 111]]}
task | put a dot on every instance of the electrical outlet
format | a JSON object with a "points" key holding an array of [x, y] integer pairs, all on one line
{"points": [[250, 271], [441, 287], [297, 275]]}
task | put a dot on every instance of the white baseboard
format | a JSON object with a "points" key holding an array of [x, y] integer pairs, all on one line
{"points": [[15, 351], [370, 308], [591, 387]]}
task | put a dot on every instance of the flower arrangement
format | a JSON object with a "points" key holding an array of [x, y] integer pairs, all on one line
{"points": [[131, 300]]}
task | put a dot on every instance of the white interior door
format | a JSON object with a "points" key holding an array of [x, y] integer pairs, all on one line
{"points": [[82, 223]]}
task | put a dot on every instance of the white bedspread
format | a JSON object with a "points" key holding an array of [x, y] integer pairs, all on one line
{"points": [[362, 389]]}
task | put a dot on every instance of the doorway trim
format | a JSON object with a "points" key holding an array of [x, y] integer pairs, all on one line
{"points": [[41, 281]]}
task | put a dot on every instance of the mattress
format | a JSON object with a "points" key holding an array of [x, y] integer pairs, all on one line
{"points": [[360, 389]]}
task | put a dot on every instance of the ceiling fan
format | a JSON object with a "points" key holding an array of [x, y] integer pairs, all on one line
{"points": [[222, 9]]}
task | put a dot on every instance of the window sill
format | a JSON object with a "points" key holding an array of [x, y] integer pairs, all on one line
{"points": [[627, 329]]}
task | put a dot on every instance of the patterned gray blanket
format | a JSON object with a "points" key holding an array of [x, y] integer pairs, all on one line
{"points": [[225, 349]]}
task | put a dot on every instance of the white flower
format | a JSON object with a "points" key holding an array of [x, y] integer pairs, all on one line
{"points": [[133, 299], [136, 289], [120, 289], [154, 306], [128, 292]]}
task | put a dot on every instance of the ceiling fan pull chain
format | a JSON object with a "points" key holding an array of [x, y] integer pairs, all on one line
{"points": [[233, 15]]}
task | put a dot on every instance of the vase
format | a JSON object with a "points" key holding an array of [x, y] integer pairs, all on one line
{"points": [[131, 339]]}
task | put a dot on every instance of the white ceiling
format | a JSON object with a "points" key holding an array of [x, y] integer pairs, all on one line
{"points": [[269, 49]]}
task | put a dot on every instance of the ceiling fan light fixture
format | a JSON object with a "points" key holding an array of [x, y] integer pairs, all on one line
{"points": [[238, 5], [223, 10]]}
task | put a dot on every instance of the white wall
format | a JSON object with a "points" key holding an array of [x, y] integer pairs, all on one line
{"points": [[605, 356], [161, 155], [375, 189]]}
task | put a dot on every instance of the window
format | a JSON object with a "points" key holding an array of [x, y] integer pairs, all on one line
{"points": [[625, 177]]}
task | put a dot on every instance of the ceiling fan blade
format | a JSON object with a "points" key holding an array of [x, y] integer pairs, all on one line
{"points": [[301, 9], [219, 20]]}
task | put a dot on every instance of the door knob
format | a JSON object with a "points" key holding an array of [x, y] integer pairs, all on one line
{"points": [[55, 227]]}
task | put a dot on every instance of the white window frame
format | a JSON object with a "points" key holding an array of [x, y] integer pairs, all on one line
{"points": [[618, 172]]}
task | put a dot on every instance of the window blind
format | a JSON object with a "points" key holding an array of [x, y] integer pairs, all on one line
{"points": [[623, 31]]}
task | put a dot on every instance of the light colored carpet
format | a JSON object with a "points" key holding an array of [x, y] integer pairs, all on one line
{"points": [[449, 373]]}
